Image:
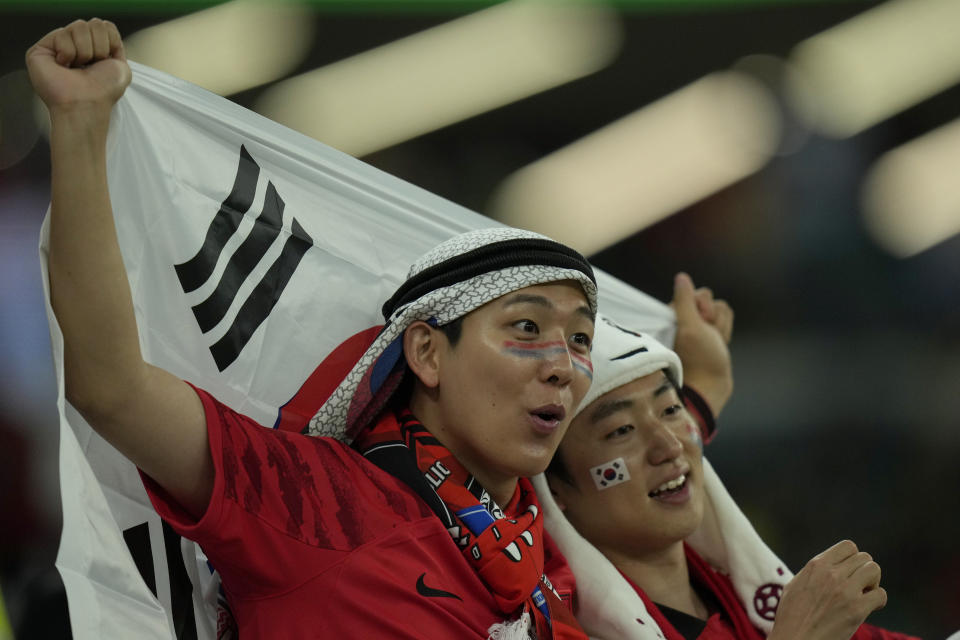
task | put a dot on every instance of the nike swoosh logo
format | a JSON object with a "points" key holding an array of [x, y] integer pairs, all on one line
{"points": [[430, 592]]}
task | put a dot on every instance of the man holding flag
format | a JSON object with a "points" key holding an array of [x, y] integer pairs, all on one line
{"points": [[428, 527]]}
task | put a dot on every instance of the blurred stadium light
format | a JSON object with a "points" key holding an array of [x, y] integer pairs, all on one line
{"points": [[876, 64], [230, 47], [911, 197], [446, 74], [647, 165]]}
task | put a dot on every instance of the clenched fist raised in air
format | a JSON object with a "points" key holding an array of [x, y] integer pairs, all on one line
{"points": [[80, 67]]}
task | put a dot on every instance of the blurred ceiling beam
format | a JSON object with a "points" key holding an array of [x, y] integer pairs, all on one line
{"points": [[911, 197], [228, 48], [446, 74], [876, 64], [647, 165]]}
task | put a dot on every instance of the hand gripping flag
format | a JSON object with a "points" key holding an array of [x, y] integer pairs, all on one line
{"points": [[252, 253]]}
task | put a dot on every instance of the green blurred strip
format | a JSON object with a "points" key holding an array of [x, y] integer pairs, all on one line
{"points": [[83, 7], [6, 633]]}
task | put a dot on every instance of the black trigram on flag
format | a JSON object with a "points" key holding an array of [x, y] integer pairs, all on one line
{"points": [[266, 229]]}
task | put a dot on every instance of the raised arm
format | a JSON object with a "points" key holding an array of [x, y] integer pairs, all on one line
{"points": [[704, 328], [149, 415]]}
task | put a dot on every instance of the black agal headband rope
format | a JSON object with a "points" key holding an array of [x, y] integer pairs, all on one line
{"points": [[490, 257]]}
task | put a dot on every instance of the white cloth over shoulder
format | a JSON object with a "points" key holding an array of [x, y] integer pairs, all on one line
{"points": [[252, 252]]}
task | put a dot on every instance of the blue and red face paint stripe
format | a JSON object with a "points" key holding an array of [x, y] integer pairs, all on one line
{"points": [[544, 350]]}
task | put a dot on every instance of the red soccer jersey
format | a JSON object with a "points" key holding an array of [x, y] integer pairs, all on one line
{"points": [[313, 541]]}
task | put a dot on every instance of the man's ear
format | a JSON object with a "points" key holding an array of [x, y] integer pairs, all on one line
{"points": [[421, 348]]}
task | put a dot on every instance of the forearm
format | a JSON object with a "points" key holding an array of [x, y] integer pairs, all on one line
{"points": [[702, 413], [88, 284], [148, 414], [714, 388]]}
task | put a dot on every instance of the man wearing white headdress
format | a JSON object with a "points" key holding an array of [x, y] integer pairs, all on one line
{"points": [[427, 527], [658, 547]]}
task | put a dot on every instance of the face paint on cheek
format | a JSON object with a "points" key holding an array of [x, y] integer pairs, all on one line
{"points": [[609, 474], [583, 365], [694, 432], [545, 350], [536, 350]]}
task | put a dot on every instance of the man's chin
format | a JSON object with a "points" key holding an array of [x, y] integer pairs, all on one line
{"points": [[528, 469]]}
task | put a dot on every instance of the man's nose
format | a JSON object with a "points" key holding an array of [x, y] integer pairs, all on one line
{"points": [[558, 365], [665, 444]]}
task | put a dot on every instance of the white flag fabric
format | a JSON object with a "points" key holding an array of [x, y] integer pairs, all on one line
{"points": [[252, 253]]}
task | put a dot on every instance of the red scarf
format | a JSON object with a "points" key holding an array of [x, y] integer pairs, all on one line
{"points": [[506, 552], [722, 589]]}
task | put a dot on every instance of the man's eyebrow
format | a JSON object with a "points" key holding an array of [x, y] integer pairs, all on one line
{"points": [[528, 298], [543, 301], [607, 409], [664, 387]]}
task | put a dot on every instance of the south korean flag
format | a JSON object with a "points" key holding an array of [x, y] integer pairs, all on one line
{"points": [[253, 254], [610, 474]]}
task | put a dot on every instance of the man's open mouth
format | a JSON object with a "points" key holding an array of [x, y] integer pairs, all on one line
{"points": [[550, 413], [670, 487]]}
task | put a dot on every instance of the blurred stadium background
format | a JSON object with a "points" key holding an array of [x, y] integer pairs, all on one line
{"points": [[800, 157]]}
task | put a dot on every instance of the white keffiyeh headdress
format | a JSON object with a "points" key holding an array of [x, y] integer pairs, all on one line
{"points": [[456, 277]]}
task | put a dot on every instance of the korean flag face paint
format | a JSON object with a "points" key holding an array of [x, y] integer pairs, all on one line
{"points": [[547, 350], [694, 433], [609, 474]]}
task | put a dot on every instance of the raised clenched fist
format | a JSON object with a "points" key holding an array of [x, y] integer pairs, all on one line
{"points": [[80, 66]]}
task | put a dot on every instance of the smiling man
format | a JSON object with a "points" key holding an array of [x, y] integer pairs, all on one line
{"points": [[631, 479], [427, 527]]}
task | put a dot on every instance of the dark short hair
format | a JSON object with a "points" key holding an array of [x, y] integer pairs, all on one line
{"points": [[453, 330], [401, 397]]}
